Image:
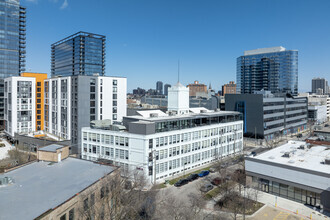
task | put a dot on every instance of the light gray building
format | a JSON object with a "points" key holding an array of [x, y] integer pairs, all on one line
{"points": [[266, 115], [72, 102], [296, 171]]}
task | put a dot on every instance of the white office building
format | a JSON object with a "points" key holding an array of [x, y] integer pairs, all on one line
{"points": [[19, 105], [296, 171], [72, 102], [162, 145]]}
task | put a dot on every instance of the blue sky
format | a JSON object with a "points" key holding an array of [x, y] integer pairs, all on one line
{"points": [[145, 38]]}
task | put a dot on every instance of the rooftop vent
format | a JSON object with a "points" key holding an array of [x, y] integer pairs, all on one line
{"points": [[153, 115], [203, 111], [6, 180], [287, 154], [327, 161], [172, 113], [302, 147], [271, 157], [291, 161]]}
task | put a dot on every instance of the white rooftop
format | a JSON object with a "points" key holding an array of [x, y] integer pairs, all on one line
{"points": [[310, 159], [193, 112], [41, 186], [264, 50]]}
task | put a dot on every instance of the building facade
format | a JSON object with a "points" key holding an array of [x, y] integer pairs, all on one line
{"points": [[318, 100], [164, 146], [267, 116], [320, 85], [39, 79], [159, 87], [229, 88], [79, 54], [72, 102], [196, 87], [296, 171], [317, 113], [12, 44], [273, 69], [20, 105]]}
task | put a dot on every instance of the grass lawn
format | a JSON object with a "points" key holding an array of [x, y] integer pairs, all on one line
{"points": [[185, 176], [212, 193], [159, 186]]}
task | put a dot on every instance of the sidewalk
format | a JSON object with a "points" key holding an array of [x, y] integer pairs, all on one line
{"points": [[290, 206]]}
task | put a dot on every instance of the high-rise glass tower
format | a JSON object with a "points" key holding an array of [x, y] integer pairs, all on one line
{"points": [[273, 69], [12, 43], [159, 87], [79, 54]]}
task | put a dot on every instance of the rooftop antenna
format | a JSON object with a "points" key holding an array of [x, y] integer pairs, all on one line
{"points": [[179, 70]]}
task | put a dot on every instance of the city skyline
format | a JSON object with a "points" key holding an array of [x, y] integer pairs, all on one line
{"points": [[148, 38]]}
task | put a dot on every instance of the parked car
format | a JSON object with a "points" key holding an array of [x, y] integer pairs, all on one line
{"points": [[212, 170], [181, 182], [253, 153], [299, 135], [192, 177], [204, 173], [217, 181], [207, 187], [326, 125]]}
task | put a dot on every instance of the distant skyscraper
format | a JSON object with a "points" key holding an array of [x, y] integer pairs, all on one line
{"points": [[159, 87], [229, 88], [12, 43], [79, 54], [166, 86], [320, 83], [273, 69]]}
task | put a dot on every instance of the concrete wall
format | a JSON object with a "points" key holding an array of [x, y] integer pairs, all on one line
{"points": [[53, 156]]}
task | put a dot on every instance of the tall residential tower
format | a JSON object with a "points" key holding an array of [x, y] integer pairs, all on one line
{"points": [[79, 54], [12, 43], [273, 69]]}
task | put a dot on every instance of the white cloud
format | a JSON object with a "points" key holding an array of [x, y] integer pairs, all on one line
{"points": [[65, 4]]}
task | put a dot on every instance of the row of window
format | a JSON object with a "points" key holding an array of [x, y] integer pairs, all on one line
{"points": [[106, 151], [174, 151], [173, 139], [105, 139]]}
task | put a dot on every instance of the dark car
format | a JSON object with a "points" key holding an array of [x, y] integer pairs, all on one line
{"points": [[181, 182], [204, 173], [206, 187], [253, 153], [217, 181], [299, 135], [192, 177], [326, 125]]}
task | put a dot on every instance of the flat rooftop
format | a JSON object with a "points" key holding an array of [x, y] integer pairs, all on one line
{"points": [[41, 186], [309, 159], [194, 113], [51, 147], [264, 50]]}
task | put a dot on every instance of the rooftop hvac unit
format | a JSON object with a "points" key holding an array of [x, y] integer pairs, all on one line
{"points": [[286, 154], [172, 113], [302, 147], [153, 115], [327, 161]]}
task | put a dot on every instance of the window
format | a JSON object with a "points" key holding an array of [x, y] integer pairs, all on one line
{"points": [[38, 89], [38, 111], [38, 106], [38, 95], [63, 217], [114, 117], [114, 103], [38, 100], [71, 214], [114, 96], [114, 82], [38, 83], [86, 204]]}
